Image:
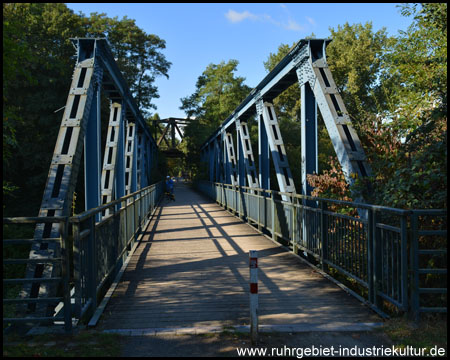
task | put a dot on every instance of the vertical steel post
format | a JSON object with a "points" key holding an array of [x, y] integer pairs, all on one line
{"points": [[309, 163], [263, 154], [172, 132], [241, 161], [92, 153], [148, 161], [218, 162], [211, 154]]}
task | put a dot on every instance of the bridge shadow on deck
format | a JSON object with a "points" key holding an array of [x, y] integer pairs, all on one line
{"points": [[191, 269]]}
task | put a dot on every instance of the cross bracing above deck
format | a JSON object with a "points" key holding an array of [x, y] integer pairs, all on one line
{"points": [[172, 126]]}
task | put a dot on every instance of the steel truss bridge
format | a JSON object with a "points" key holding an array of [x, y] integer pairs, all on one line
{"points": [[74, 259], [172, 124]]}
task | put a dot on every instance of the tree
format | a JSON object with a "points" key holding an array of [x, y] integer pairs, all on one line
{"points": [[415, 70], [355, 59], [138, 54], [43, 31], [406, 139], [416, 63], [38, 66], [218, 92], [15, 54]]}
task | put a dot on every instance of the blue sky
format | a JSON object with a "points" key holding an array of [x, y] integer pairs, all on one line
{"points": [[197, 35]]}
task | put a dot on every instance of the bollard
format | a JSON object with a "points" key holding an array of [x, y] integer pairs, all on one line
{"points": [[253, 264]]}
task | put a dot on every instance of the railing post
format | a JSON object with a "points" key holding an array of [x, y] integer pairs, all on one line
{"points": [[125, 222], [76, 268], [370, 241], [324, 233], [258, 204], [294, 227], [65, 274], [240, 201], [116, 227], [225, 197], [91, 264], [274, 237], [414, 271], [140, 208], [404, 261], [377, 261], [263, 193], [136, 233]]}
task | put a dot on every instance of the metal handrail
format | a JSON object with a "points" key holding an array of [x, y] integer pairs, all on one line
{"points": [[382, 257], [83, 239]]}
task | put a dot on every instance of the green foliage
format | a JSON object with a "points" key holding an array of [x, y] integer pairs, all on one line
{"points": [[38, 61], [395, 90], [408, 150], [218, 92], [138, 54], [354, 58], [416, 64], [287, 104], [34, 90]]}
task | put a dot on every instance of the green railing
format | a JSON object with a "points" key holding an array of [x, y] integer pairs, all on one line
{"points": [[397, 257], [90, 257]]}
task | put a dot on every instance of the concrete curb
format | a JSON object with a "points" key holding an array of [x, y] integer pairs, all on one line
{"points": [[326, 327]]}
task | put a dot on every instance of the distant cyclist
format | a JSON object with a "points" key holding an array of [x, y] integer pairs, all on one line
{"points": [[169, 188]]}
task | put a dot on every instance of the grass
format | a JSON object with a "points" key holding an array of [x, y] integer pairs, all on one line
{"points": [[86, 343], [430, 332]]}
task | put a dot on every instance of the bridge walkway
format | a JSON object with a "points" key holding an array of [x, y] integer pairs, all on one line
{"points": [[191, 270]]}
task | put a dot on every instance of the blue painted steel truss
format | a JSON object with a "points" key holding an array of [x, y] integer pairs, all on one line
{"points": [[305, 64], [129, 154]]}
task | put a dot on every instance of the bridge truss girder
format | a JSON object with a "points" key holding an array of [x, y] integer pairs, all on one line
{"points": [[305, 64], [95, 71], [172, 126]]}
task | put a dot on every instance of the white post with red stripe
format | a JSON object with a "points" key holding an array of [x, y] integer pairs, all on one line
{"points": [[253, 264]]}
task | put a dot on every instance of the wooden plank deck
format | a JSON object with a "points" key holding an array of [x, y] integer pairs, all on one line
{"points": [[191, 270]]}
